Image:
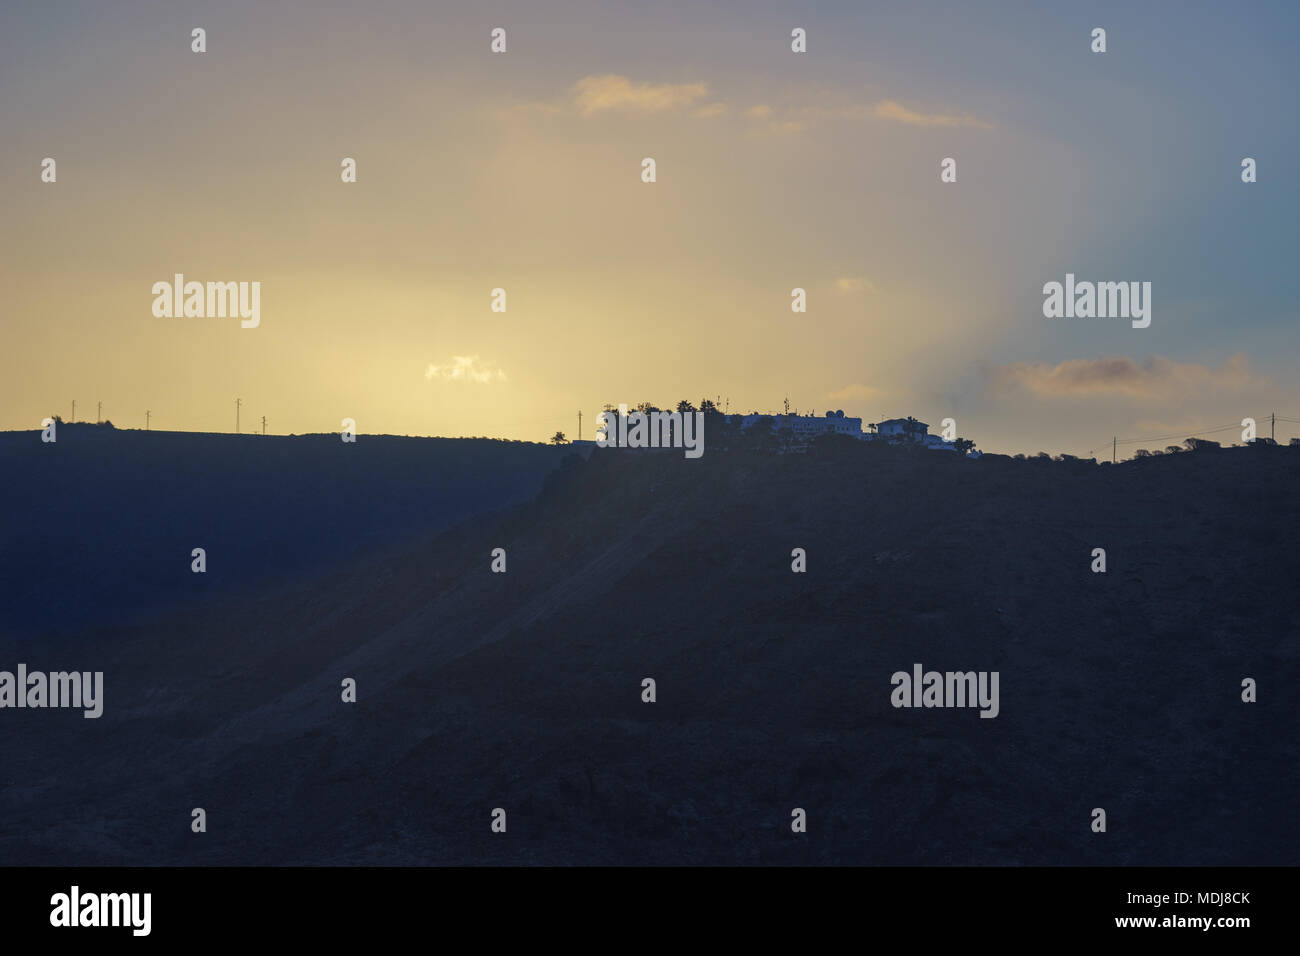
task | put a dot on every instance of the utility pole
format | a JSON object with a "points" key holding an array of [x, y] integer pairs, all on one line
{"points": [[580, 424], [238, 402], [1272, 427], [1113, 441], [147, 413], [263, 424], [99, 413], [74, 409]]}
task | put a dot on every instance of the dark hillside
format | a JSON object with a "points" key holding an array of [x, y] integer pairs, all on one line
{"points": [[522, 690], [100, 525]]}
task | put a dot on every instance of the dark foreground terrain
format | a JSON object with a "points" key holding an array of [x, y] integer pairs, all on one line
{"points": [[98, 527], [522, 690]]}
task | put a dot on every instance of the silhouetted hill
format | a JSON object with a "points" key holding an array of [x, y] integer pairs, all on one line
{"points": [[522, 690], [99, 526]]}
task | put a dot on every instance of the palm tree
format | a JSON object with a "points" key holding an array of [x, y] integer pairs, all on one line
{"points": [[559, 439]]}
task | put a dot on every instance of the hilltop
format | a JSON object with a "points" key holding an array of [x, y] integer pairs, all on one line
{"points": [[522, 690]]}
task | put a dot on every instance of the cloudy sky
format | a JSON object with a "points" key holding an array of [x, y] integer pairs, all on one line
{"points": [[775, 170]]}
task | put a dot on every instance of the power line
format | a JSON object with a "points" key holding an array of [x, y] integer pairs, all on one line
{"points": [[1204, 431], [1182, 435]]}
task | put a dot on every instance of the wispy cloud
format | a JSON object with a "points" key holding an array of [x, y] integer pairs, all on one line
{"points": [[612, 92], [767, 126], [465, 368], [851, 284], [894, 110], [823, 112], [1156, 377]]}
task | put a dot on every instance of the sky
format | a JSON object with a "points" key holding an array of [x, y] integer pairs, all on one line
{"points": [[775, 170]]}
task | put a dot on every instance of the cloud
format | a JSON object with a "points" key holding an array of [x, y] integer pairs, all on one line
{"points": [[775, 128], [894, 110], [598, 94], [613, 92], [852, 393], [1157, 377], [850, 284], [465, 368]]}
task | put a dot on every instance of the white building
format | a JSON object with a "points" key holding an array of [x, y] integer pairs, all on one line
{"points": [[935, 443], [906, 429], [806, 427], [912, 431]]}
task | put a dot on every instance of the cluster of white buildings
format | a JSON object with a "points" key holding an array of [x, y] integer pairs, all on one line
{"points": [[805, 427], [894, 430], [660, 429]]}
